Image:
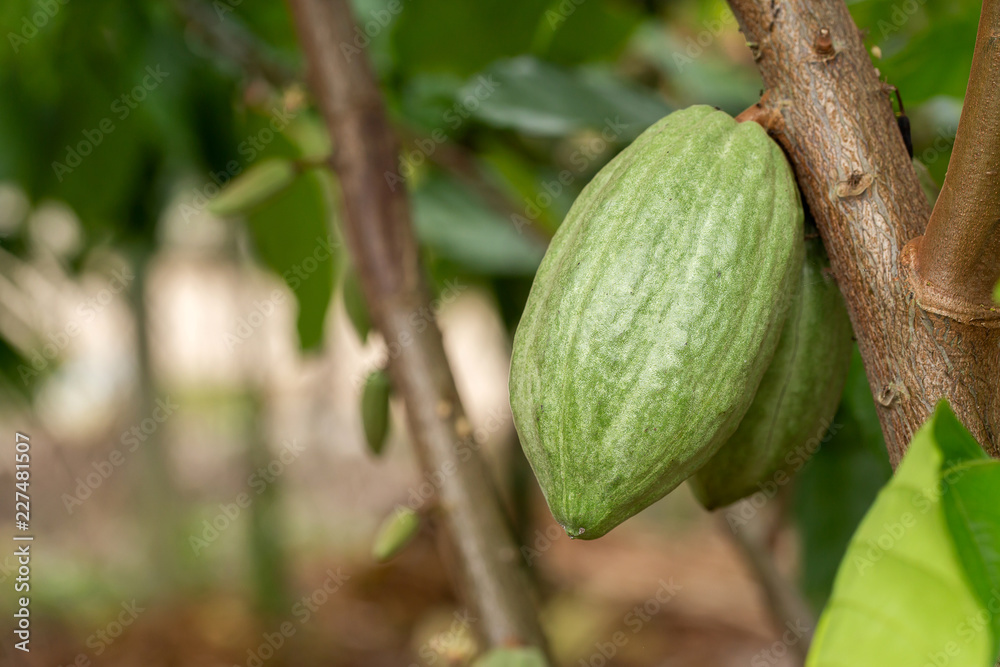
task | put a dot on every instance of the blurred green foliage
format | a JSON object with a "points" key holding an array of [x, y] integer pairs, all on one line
{"points": [[117, 107], [126, 111], [838, 485]]}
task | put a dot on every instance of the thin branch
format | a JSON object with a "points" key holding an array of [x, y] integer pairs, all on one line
{"points": [[840, 134], [226, 36], [787, 607], [381, 240], [957, 261]]}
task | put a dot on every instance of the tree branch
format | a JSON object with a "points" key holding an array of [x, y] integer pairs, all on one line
{"points": [[785, 604], [957, 261], [384, 250], [235, 42], [842, 139]]}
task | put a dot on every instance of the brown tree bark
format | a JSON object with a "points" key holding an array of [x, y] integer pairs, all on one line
{"points": [[837, 126], [384, 251]]}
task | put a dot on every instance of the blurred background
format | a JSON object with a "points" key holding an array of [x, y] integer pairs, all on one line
{"points": [[188, 354]]}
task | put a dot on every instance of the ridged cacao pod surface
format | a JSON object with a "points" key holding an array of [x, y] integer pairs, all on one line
{"points": [[796, 399], [654, 315]]}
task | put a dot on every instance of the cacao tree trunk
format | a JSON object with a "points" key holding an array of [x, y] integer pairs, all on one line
{"points": [[828, 109]]}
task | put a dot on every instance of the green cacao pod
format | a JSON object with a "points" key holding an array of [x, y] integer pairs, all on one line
{"points": [[796, 399], [396, 531], [375, 410], [653, 316]]}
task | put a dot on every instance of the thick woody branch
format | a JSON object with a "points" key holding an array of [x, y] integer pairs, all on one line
{"points": [[841, 136], [384, 250], [957, 261]]}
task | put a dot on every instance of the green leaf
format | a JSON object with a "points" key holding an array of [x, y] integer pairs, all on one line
{"points": [[375, 410], [292, 234], [396, 531], [971, 500], [575, 32], [462, 37], [697, 74], [354, 304], [456, 224], [256, 185], [935, 61], [996, 293], [513, 657], [537, 98], [839, 484], [904, 595]]}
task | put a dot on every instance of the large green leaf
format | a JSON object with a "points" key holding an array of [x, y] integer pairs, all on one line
{"points": [[293, 236], [971, 499], [456, 224], [535, 97], [698, 74], [464, 37], [912, 588], [574, 32], [937, 61]]}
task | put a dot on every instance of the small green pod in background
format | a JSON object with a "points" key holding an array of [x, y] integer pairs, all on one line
{"points": [[375, 410], [354, 304], [395, 533], [796, 399]]}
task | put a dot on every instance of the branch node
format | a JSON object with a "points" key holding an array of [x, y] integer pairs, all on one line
{"points": [[824, 42], [941, 301], [890, 393], [855, 185], [763, 114]]}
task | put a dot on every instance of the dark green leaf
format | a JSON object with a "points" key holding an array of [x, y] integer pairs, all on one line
{"points": [[462, 37], [457, 225], [937, 60], [292, 234], [571, 32], [542, 99]]}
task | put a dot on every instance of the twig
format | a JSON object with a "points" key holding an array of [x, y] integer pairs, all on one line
{"points": [[957, 261], [788, 609], [841, 136], [384, 250], [235, 42]]}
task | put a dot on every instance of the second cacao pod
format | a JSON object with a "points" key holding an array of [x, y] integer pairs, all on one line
{"points": [[796, 399]]}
